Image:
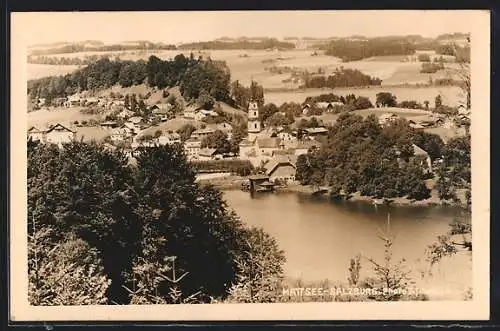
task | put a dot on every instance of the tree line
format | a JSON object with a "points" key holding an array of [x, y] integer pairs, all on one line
{"points": [[361, 156], [82, 47], [54, 60], [354, 50], [192, 75], [267, 43], [343, 77], [143, 234]]}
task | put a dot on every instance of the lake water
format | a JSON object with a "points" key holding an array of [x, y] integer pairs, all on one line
{"points": [[319, 237]]}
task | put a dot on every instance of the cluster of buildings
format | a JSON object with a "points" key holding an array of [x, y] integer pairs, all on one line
{"points": [[198, 114], [57, 134], [433, 120], [326, 107], [274, 149]]}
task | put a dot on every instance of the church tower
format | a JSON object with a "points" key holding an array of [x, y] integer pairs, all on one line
{"points": [[254, 126]]}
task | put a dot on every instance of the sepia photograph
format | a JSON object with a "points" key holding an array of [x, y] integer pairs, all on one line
{"points": [[250, 165]]}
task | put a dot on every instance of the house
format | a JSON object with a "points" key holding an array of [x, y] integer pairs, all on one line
{"points": [[303, 146], [118, 105], [331, 106], [328, 105], [162, 111], [387, 118], [416, 126], [281, 168], [463, 111], [59, 134], [169, 139], [266, 146], [125, 113], [91, 102], [189, 112], [199, 116], [246, 149], [135, 120], [41, 102], [315, 132], [224, 127], [124, 132], [201, 133], [305, 109], [211, 113], [73, 101], [36, 134], [424, 156], [109, 147], [109, 124], [287, 138], [206, 154], [58, 102], [192, 148]]}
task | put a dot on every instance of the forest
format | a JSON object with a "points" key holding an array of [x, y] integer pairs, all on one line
{"points": [[95, 47], [268, 43], [192, 75], [360, 156], [342, 77], [349, 50], [104, 232]]}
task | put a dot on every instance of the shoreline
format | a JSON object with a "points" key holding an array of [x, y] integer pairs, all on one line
{"points": [[235, 182]]}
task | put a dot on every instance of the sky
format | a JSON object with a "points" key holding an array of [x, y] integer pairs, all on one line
{"points": [[178, 27]]}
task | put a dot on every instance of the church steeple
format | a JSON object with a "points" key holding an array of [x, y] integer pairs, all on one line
{"points": [[254, 125]]}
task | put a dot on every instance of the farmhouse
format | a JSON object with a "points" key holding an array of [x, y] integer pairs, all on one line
{"points": [[109, 124], [190, 112], [125, 113], [199, 116], [73, 101], [424, 156], [59, 134], [287, 138], [36, 134], [58, 102], [328, 106], [206, 154], [266, 146], [305, 109], [315, 132], [281, 168], [91, 102], [209, 112], [224, 127], [123, 133], [387, 118], [192, 148], [246, 149], [169, 139], [201, 133], [303, 146]]}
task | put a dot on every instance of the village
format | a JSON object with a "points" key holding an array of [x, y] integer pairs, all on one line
{"points": [[272, 149]]}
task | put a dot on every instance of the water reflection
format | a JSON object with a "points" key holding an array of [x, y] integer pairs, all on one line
{"points": [[320, 236]]}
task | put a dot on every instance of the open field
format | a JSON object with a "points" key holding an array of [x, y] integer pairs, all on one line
{"points": [[451, 95], [43, 70], [66, 116], [88, 133], [246, 65]]}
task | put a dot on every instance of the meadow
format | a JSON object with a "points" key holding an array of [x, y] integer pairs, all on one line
{"points": [[248, 65]]}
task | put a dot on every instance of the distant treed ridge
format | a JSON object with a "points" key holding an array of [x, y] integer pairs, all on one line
{"points": [[191, 74]]}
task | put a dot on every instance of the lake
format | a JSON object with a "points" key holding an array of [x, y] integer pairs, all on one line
{"points": [[319, 237]]}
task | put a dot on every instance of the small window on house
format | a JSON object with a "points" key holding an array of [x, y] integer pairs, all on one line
{"points": [[255, 125]]}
